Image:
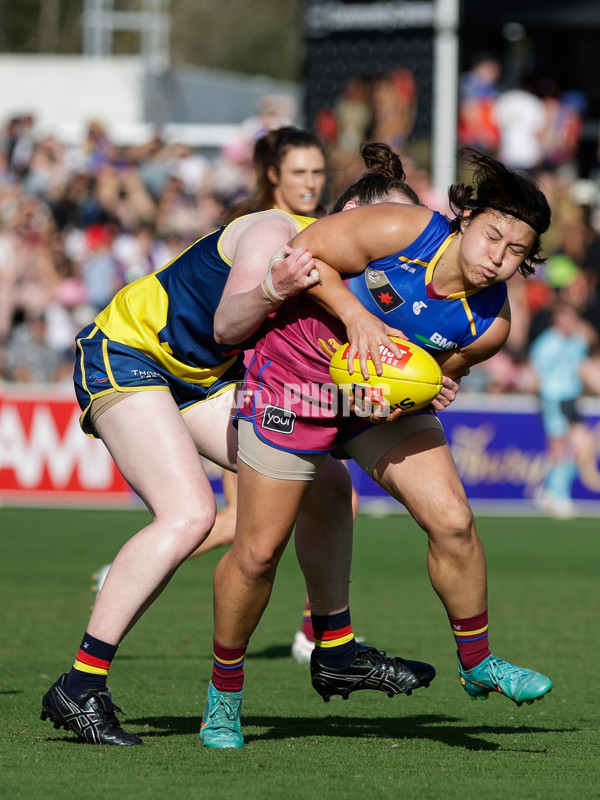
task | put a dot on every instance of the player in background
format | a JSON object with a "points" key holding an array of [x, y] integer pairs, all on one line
{"points": [[159, 390], [290, 170], [557, 356], [443, 284]]}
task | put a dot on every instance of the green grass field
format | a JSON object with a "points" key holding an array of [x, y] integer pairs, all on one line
{"points": [[544, 603]]}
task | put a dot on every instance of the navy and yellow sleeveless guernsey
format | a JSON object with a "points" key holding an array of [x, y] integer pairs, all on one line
{"points": [[157, 332]]}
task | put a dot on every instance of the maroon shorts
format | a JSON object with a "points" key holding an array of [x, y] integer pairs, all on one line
{"points": [[301, 417]]}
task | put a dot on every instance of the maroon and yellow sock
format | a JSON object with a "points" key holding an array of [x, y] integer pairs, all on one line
{"points": [[471, 636], [335, 644], [307, 626], [91, 666], [228, 667]]}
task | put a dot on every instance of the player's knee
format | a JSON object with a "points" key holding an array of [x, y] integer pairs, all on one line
{"points": [[191, 529], [259, 563], [454, 530]]}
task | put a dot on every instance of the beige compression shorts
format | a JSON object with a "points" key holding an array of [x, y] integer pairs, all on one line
{"points": [[101, 404], [367, 449]]}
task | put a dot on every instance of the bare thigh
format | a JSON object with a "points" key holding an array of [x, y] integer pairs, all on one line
{"points": [[210, 424], [420, 472], [152, 447]]}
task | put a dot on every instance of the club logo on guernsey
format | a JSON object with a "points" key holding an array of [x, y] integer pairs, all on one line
{"points": [[382, 291], [98, 377], [279, 420]]}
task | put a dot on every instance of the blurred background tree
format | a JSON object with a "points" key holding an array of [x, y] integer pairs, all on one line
{"points": [[262, 37]]}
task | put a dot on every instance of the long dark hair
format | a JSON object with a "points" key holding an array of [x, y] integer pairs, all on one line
{"points": [[384, 173], [508, 191], [270, 151]]}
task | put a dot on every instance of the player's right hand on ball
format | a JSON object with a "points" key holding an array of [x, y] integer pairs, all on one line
{"points": [[366, 335]]}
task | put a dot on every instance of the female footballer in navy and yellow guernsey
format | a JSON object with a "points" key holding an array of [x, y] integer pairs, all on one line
{"points": [[157, 332], [146, 359], [290, 171]]}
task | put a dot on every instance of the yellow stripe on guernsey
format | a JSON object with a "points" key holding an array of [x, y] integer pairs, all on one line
{"points": [[456, 295], [303, 222], [88, 668], [469, 633], [469, 314], [133, 318]]}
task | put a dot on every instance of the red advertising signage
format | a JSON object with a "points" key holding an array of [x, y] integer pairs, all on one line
{"points": [[46, 458]]}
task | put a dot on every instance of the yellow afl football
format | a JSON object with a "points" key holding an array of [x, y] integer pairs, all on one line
{"points": [[409, 382]]}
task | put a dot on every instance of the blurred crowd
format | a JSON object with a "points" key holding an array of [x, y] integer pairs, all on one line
{"points": [[536, 126], [78, 222]]}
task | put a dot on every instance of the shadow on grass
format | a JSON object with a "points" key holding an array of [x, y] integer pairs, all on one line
{"points": [[435, 727], [273, 652]]}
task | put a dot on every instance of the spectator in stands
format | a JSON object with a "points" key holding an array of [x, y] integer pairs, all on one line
{"points": [[394, 102], [353, 115], [102, 273], [521, 120], [123, 195], [564, 126], [477, 125]]}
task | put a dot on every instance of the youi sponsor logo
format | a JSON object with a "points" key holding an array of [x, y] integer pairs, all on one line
{"points": [[280, 420]]}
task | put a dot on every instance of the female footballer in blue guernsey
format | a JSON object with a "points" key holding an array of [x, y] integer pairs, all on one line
{"points": [[442, 283]]}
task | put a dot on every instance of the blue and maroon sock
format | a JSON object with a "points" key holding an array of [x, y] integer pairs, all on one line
{"points": [[471, 636], [228, 667]]}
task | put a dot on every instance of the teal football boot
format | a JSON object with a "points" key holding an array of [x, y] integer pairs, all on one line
{"points": [[495, 675], [221, 725]]}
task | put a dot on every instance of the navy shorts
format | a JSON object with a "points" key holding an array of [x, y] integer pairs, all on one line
{"points": [[103, 366]]}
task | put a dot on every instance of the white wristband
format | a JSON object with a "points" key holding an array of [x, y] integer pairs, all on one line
{"points": [[270, 297]]}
